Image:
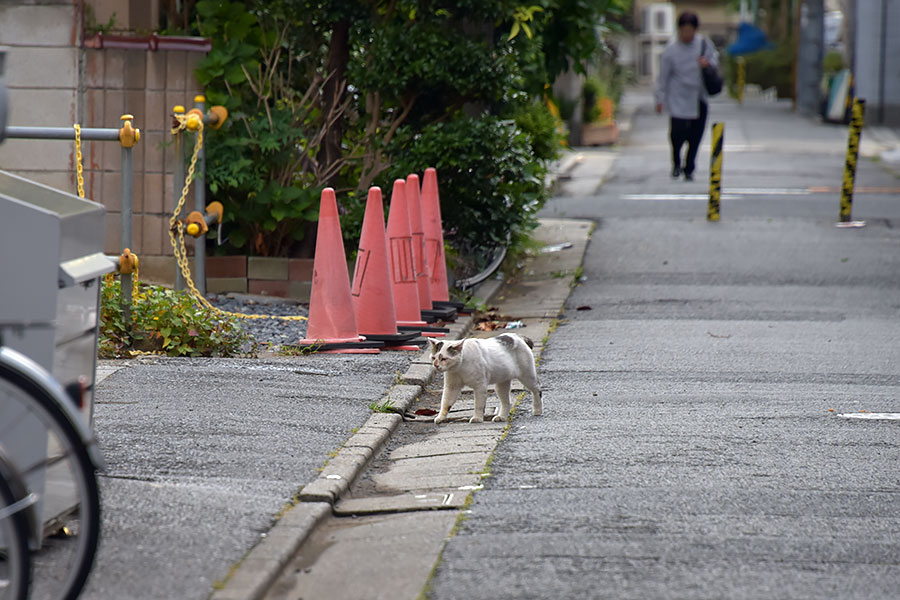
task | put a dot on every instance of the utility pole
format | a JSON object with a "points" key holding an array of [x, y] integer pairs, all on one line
{"points": [[809, 55]]}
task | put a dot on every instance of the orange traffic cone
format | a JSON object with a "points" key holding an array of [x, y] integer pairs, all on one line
{"points": [[332, 325], [434, 237], [403, 275], [430, 310], [373, 297], [420, 261]]}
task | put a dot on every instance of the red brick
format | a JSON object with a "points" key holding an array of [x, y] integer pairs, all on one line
{"points": [[226, 266], [300, 269], [267, 287]]}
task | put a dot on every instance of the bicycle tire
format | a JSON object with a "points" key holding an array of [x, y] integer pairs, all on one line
{"points": [[45, 406], [15, 566]]}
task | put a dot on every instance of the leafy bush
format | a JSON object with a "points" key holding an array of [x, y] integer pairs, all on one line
{"points": [[261, 163], [768, 68], [491, 184], [168, 322]]}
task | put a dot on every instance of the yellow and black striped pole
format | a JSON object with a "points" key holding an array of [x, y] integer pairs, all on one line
{"points": [[715, 172], [856, 125]]}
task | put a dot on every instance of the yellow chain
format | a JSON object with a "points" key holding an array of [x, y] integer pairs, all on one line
{"points": [[79, 168], [176, 234]]}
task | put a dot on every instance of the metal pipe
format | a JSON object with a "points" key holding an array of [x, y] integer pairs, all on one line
{"points": [[200, 205], [178, 185], [127, 191], [62, 133], [882, 75]]}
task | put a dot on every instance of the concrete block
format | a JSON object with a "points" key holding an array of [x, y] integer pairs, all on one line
{"points": [[19, 23], [154, 229], [372, 439], [153, 194], [158, 269], [260, 267], [400, 503], [344, 467], [304, 516], [384, 421], [135, 71], [176, 75], [362, 451], [300, 269], [37, 68], [220, 285], [323, 490], [115, 69], [418, 374], [156, 71], [226, 266], [263, 287], [402, 396]]}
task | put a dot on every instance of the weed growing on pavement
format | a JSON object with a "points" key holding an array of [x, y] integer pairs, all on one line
{"points": [[385, 407], [167, 322], [291, 350]]}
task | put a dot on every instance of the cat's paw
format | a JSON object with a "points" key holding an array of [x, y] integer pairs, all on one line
{"points": [[440, 419], [537, 412], [476, 420], [498, 419]]}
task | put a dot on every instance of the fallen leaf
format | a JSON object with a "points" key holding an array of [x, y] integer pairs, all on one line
{"points": [[584, 308], [426, 412]]}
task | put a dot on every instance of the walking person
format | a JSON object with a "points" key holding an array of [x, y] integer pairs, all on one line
{"points": [[679, 89]]}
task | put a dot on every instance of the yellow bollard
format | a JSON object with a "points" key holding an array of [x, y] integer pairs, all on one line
{"points": [[715, 172], [741, 79], [856, 125]]}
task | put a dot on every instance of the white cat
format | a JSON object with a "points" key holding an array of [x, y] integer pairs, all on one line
{"points": [[478, 363]]}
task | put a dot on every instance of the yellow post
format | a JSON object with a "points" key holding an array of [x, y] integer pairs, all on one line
{"points": [[715, 172], [856, 124], [741, 78]]}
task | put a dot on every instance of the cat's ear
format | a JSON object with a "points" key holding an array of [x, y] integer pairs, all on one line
{"points": [[435, 346], [455, 348]]}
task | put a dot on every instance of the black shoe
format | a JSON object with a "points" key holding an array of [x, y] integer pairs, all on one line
{"points": [[688, 176], [676, 171]]}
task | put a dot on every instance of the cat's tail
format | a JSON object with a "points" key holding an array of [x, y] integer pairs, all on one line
{"points": [[528, 341]]}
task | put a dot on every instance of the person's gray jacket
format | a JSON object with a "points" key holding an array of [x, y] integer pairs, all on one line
{"points": [[679, 87]]}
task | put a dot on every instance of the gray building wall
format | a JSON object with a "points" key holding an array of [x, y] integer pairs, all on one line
{"points": [[877, 59], [56, 78], [42, 43]]}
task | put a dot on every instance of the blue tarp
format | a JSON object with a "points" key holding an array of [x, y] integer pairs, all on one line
{"points": [[750, 39]]}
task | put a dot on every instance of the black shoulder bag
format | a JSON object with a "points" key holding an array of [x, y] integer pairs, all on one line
{"points": [[712, 81]]}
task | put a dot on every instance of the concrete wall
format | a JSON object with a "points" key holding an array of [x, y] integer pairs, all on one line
{"points": [[42, 77], [54, 80], [877, 59]]}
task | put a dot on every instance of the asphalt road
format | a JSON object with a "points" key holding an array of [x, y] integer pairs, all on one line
{"points": [[695, 442], [195, 477]]}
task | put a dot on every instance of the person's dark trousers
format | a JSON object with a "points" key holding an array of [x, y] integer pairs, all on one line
{"points": [[690, 131]]}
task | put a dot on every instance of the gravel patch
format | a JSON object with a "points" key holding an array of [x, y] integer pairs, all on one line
{"points": [[266, 331]]}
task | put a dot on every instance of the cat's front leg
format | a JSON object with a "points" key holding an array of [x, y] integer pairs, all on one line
{"points": [[448, 398], [480, 401]]}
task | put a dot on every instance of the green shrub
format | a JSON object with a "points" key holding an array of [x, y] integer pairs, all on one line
{"points": [[167, 322], [767, 69], [491, 183]]}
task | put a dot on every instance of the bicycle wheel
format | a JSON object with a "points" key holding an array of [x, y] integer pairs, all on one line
{"points": [[47, 448], [15, 563]]}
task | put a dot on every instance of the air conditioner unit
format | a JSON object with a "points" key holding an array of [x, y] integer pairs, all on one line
{"points": [[659, 19]]}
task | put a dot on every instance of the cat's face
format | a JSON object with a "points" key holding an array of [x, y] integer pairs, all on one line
{"points": [[444, 355]]}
